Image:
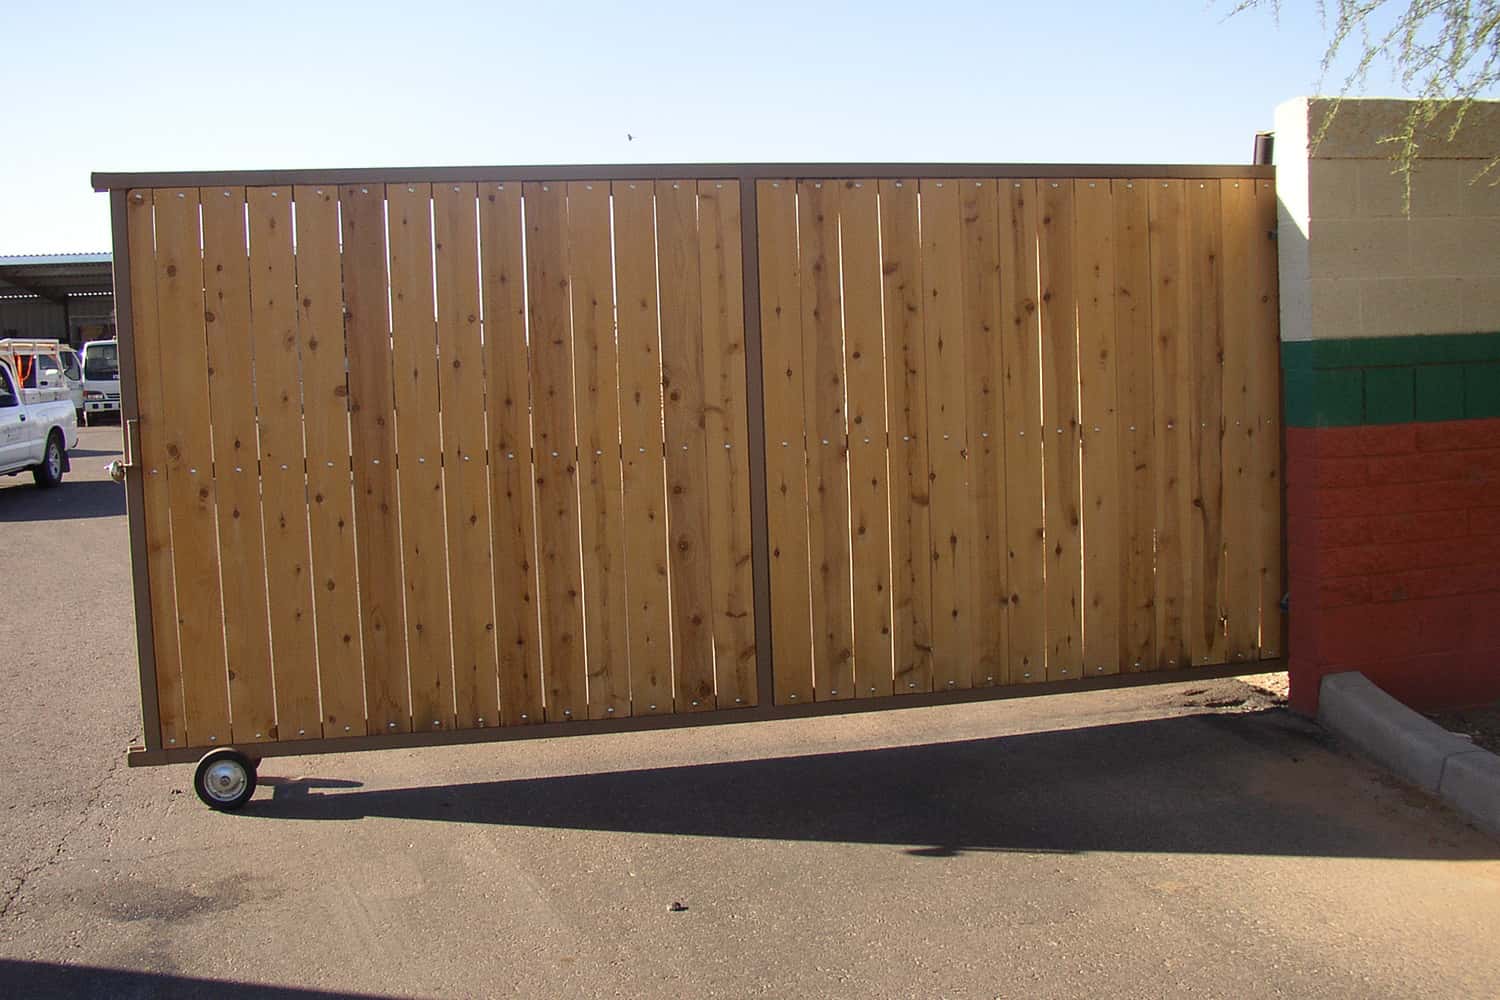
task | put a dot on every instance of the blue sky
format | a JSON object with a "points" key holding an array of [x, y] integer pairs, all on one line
{"points": [[167, 86]]}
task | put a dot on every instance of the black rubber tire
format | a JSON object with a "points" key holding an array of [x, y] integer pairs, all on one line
{"points": [[233, 795], [52, 459]]}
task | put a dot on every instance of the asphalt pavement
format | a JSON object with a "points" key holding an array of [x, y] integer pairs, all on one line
{"points": [[1177, 840]]}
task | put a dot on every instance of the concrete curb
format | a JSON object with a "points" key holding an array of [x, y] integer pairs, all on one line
{"points": [[1416, 748]]}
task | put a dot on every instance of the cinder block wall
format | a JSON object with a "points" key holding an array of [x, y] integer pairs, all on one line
{"points": [[1391, 365]]}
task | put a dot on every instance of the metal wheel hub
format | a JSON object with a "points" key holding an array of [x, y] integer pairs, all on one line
{"points": [[54, 460], [225, 780]]}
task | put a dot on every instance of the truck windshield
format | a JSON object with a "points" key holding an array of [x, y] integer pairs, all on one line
{"points": [[101, 361]]}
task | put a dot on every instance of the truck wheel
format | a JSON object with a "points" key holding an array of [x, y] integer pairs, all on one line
{"points": [[50, 472], [225, 779]]}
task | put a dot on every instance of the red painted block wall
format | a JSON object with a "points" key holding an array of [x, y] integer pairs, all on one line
{"points": [[1393, 559]]}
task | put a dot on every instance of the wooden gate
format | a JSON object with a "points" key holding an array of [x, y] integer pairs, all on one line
{"points": [[419, 456], [1018, 429]]}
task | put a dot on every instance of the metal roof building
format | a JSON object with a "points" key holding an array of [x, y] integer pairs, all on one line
{"points": [[69, 297]]}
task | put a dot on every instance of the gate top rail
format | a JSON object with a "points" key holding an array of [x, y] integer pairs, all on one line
{"points": [[107, 181]]}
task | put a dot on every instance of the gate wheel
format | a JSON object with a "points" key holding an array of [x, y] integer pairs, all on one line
{"points": [[225, 779]]}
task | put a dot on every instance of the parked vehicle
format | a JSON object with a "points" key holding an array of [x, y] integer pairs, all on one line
{"points": [[101, 378], [72, 366], [37, 427]]}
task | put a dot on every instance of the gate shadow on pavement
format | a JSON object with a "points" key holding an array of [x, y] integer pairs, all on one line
{"points": [[1259, 783], [48, 979], [21, 500]]}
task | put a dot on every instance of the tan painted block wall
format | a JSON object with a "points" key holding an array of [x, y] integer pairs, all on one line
{"points": [[1354, 262]]}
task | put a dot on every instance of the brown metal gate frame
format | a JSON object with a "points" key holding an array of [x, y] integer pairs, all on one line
{"points": [[119, 184]]}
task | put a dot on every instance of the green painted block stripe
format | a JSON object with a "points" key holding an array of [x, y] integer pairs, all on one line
{"points": [[1385, 352], [1391, 380], [1390, 395], [1482, 390], [1324, 399], [1440, 393]]}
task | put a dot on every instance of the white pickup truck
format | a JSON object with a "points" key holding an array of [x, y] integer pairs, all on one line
{"points": [[37, 427]]}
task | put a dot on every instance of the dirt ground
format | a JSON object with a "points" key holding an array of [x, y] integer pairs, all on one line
{"points": [[1482, 725], [1274, 684]]}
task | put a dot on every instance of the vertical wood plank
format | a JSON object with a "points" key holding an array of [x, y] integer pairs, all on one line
{"points": [[551, 338], [869, 489], [325, 405], [420, 456], [1022, 358], [984, 365], [1060, 447], [1172, 381], [1135, 397], [231, 391], [1241, 539], [146, 328], [827, 440], [1098, 411], [786, 457], [642, 468], [1266, 391], [601, 502], [681, 290], [906, 395], [278, 380], [722, 272], [188, 451], [508, 418], [372, 420], [952, 512], [476, 691], [1206, 428]]}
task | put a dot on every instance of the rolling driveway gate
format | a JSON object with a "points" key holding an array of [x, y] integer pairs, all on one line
{"points": [[431, 455]]}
